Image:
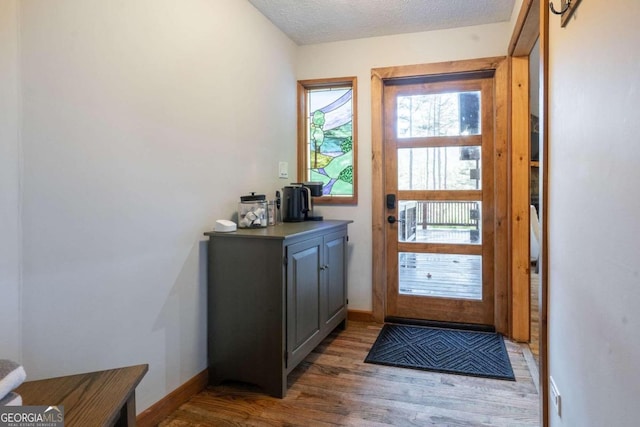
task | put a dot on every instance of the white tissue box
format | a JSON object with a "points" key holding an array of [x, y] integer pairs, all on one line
{"points": [[225, 226]]}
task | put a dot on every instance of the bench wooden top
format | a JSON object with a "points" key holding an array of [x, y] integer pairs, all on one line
{"points": [[92, 398]]}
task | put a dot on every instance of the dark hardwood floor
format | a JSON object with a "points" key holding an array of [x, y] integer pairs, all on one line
{"points": [[334, 387]]}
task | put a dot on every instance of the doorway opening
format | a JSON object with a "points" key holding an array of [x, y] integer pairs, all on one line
{"points": [[440, 192]]}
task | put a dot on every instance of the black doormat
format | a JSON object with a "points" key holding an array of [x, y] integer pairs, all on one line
{"points": [[478, 354]]}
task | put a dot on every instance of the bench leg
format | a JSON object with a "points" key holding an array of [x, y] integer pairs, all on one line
{"points": [[128, 413]]}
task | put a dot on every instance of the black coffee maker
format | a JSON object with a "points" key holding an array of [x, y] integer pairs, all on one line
{"points": [[296, 201], [315, 190]]}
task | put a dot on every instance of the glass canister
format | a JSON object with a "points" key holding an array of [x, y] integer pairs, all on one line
{"points": [[271, 212], [252, 211]]}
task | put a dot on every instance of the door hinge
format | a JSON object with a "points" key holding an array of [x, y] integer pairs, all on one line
{"points": [[347, 301], [347, 237]]}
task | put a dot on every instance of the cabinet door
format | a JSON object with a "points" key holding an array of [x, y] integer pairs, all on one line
{"points": [[303, 298], [335, 281]]}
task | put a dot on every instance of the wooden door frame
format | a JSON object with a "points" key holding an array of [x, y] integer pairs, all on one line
{"points": [[520, 201], [533, 23], [500, 66]]}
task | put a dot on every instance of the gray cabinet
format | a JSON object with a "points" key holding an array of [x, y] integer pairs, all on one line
{"points": [[316, 292], [273, 295]]}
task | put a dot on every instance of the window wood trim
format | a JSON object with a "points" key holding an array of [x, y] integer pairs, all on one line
{"points": [[303, 87]]}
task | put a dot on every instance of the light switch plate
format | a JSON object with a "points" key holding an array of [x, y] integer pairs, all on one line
{"points": [[556, 399], [283, 170]]}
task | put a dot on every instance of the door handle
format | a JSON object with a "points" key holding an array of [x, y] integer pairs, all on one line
{"points": [[392, 219]]}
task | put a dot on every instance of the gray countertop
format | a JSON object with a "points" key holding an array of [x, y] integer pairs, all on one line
{"points": [[282, 230]]}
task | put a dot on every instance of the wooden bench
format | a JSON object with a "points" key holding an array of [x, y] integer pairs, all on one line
{"points": [[103, 398]]}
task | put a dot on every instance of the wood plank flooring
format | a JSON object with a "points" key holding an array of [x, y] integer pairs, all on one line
{"points": [[534, 342], [334, 387]]}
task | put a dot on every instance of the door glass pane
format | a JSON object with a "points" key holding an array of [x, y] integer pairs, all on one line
{"points": [[440, 168], [440, 275], [428, 221], [439, 114]]}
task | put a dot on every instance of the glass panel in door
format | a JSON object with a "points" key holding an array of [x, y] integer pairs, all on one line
{"points": [[439, 168], [440, 275]]}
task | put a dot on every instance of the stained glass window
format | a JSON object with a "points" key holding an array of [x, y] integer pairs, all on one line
{"points": [[327, 138]]}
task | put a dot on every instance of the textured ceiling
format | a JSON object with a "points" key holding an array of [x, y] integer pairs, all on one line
{"points": [[320, 21]]}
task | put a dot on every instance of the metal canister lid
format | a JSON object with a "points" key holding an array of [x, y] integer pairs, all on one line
{"points": [[253, 198]]}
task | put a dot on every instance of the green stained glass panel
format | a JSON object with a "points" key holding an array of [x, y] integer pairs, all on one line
{"points": [[330, 139]]}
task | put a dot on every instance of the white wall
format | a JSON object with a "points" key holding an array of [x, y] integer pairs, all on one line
{"points": [[143, 122], [10, 344], [357, 58], [594, 212]]}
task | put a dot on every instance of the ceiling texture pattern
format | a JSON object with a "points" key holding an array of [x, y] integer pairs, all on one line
{"points": [[320, 21]]}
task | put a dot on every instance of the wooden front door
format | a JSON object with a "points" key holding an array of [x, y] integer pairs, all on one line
{"points": [[439, 192]]}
